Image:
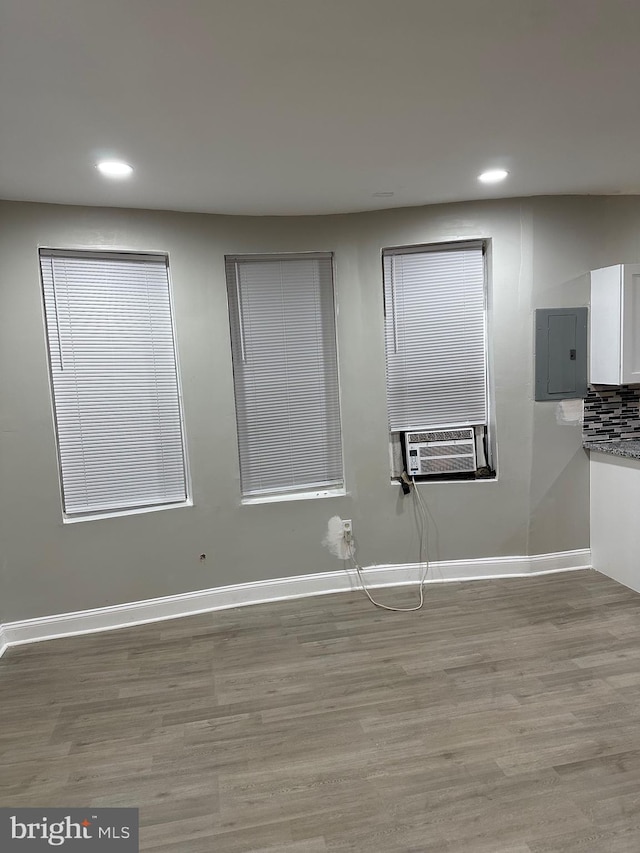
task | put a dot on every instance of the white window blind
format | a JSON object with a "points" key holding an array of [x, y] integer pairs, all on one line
{"points": [[114, 380], [435, 337], [285, 373]]}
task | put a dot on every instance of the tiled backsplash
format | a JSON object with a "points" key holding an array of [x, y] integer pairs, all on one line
{"points": [[611, 413]]}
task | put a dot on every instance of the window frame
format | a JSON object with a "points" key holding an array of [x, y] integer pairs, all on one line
{"points": [[123, 252], [295, 493], [488, 437]]}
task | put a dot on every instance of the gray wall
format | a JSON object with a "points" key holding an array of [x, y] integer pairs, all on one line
{"points": [[541, 251]]}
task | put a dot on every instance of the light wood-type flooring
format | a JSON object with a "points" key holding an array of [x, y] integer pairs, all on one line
{"points": [[502, 718]]}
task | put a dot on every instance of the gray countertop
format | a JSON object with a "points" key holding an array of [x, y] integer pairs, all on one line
{"points": [[626, 447]]}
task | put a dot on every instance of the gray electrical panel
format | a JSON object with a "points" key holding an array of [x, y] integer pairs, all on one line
{"points": [[561, 353]]}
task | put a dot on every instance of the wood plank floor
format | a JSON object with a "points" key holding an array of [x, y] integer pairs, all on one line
{"points": [[502, 718]]}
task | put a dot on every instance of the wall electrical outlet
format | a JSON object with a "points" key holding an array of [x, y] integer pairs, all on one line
{"points": [[347, 528]]}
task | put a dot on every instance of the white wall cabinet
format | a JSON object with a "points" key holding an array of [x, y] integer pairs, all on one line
{"points": [[615, 325]]}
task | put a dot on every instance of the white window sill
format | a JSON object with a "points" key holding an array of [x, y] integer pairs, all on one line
{"points": [[72, 519], [396, 481], [295, 496]]}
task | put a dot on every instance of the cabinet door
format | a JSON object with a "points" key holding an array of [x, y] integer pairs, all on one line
{"points": [[631, 324], [606, 326]]}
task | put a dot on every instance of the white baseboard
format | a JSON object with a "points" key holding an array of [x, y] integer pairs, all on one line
{"points": [[279, 589]]}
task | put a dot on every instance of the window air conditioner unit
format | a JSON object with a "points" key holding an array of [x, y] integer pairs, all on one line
{"points": [[448, 450]]}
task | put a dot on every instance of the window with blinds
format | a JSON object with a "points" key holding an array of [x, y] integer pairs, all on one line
{"points": [[285, 368], [114, 380], [435, 336]]}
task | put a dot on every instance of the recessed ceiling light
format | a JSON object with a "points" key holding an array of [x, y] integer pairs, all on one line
{"points": [[383, 194], [114, 168], [493, 176]]}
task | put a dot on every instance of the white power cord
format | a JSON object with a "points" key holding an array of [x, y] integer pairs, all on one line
{"points": [[359, 570]]}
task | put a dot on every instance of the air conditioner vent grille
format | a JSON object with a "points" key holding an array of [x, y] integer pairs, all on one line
{"points": [[439, 435], [462, 448], [456, 465]]}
